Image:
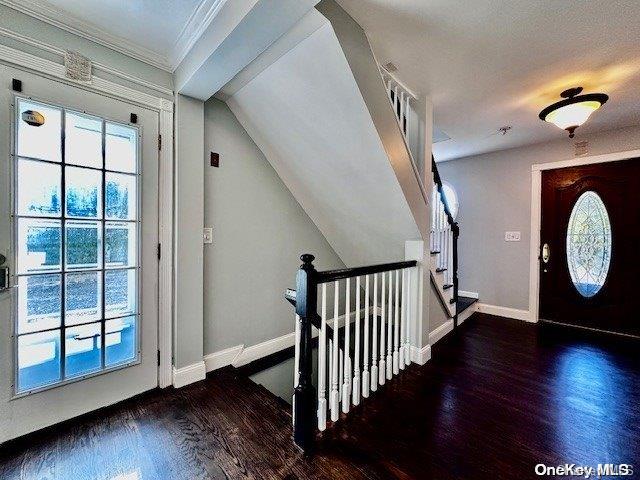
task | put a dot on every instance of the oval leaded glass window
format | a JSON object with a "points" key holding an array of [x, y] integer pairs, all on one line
{"points": [[589, 244]]}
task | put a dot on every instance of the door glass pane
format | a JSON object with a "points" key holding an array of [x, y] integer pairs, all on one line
{"points": [[82, 349], [589, 244], [121, 148], [120, 341], [38, 360], [83, 245], [83, 292], [120, 201], [83, 140], [38, 245], [39, 302], [120, 292], [39, 131], [83, 192], [120, 244], [39, 189]]}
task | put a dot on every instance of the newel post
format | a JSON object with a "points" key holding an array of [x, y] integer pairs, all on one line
{"points": [[304, 396]]}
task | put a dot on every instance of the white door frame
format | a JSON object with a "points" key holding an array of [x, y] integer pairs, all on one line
{"points": [[164, 107], [536, 214]]}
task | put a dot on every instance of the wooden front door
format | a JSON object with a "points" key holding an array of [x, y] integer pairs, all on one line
{"points": [[590, 236]]}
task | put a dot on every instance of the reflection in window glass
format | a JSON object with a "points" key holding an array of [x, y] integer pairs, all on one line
{"points": [[39, 298], [589, 244], [120, 202], [83, 245], [82, 349], [38, 360], [38, 245], [64, 294], [121, 149], [43, 141], [82, 297], [83, 140], [83, 192], [120, 293], [120, 340], [120, 244], [39, 189], [452, 199]]}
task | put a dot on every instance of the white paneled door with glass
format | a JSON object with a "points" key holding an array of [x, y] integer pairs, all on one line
{"points": [[79, 229]]}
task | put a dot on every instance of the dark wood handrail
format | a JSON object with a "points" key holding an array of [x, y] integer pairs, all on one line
{"points": [[438, 180], [332, 275]]}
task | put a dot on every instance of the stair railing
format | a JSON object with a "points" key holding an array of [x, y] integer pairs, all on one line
{"points": [[349, 367], [444, 237], [403, 101]]}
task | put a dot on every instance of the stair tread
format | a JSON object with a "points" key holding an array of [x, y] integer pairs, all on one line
{"points": [[447, 287], [463, 303], [435, 252], [440, 270]]}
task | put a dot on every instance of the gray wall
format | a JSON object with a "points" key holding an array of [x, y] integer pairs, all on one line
{"points": [[494, 191], [189, 217], [259, 233], [43, 32]]}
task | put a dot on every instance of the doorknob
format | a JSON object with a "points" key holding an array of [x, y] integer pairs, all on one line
{"points": [[546, 254]]}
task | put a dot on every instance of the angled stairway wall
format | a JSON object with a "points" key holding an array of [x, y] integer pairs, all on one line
{"points": [[306, 112]]}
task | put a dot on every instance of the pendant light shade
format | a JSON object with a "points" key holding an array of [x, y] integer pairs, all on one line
{"points": [[574, 110]]}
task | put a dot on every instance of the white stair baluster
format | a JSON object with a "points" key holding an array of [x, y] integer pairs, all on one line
{"points": [[396, 326], [322, 362], [390, 329], [346, 372], [355, 385], [383, 326], [408, 319], [374, 338], [334, 400], [365, 367], [296, 364], [403, 319]]}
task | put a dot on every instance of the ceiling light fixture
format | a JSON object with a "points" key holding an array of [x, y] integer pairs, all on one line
{"points": [[574, 110]]}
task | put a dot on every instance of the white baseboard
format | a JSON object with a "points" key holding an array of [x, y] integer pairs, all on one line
{"points": [[240, 355], [441, 331], [463, 293], [189, 374], [222, 358], [507, 312], [422, 355]]}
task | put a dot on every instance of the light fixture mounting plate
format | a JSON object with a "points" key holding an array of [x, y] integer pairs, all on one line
{"points": [[571, 92]]}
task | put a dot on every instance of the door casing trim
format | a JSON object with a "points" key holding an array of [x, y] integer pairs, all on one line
{"points": [[536, 215], [164, 107]]}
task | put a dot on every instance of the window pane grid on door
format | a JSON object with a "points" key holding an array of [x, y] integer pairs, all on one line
{"points": [[77, 233]]}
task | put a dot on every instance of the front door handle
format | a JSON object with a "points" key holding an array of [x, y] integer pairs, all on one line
{"points": [[546, 255]]}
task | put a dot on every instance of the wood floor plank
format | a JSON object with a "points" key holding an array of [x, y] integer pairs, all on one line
{"points": [[498, 397]]}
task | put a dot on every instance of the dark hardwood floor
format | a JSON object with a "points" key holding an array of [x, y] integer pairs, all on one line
{"points": [[498, 397]]}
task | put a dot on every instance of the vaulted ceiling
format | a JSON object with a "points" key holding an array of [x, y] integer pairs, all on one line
{"points": [[492, 63]]}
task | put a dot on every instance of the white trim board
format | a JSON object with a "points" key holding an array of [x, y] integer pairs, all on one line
{"points": [[536, 214], [506, 312], [189, 374], [55, 71], [440, 332], [420, 355], [463, 293], [47, 47], [65, 21]]}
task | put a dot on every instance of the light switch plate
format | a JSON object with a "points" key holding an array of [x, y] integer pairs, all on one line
{"points": [[511, 236], [207, 235]]}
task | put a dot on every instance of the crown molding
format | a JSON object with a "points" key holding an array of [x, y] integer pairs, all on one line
{"points": [[69, 23], [200, 19], [198, 22]]}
